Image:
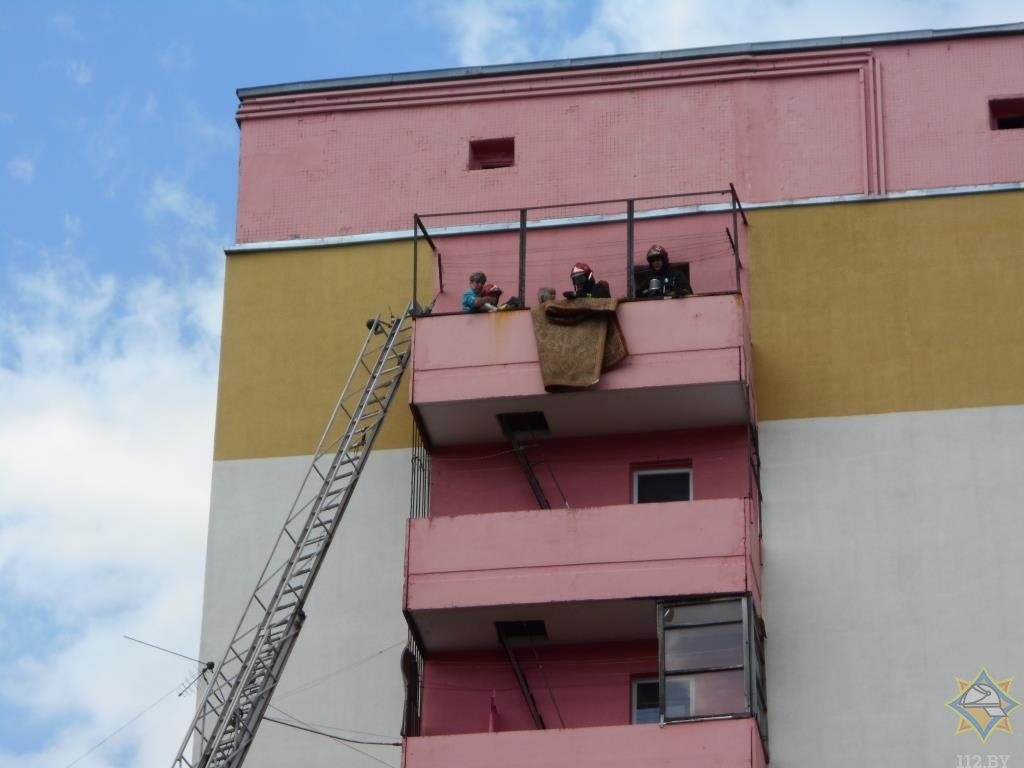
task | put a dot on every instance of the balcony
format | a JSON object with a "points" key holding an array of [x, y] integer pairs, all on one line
{"points": [[704, 744], [590, 574], [688, 366], [688, 362]]}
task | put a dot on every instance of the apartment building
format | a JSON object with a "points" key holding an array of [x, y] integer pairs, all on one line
{"points": [[779, 530]]}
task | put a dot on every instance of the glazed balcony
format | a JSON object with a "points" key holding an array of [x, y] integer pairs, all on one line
{"points": [[731, 743], [590, 574]]}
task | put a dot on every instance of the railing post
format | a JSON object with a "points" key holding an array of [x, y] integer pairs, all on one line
{"points": [[736, 239], [522, 257], [737, 207], [630, 279], [415, 254]]}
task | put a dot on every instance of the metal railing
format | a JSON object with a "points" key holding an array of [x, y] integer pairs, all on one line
{"points": [[523, 249]]}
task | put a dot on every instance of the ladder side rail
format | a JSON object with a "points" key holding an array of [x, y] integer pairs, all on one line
{"points": [[285, 584], [249, 662], [358, 461], [299, 590], [243, 741], [295, 510], [262, 700]]}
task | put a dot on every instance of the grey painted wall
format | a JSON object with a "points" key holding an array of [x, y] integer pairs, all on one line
{"points": [[892, 566], [344, 675]]}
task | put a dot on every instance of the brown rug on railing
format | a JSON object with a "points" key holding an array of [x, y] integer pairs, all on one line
{"points": [[577, 339]]}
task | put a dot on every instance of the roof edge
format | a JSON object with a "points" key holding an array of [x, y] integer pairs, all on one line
{"points": [[596, 62]]}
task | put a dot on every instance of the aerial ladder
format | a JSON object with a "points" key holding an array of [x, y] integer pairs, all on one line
{"points": [[236, 697]]}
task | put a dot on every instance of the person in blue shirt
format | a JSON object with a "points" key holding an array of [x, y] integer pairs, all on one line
{"points": [[474, 299]]}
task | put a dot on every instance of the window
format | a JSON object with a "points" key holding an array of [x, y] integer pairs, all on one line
{"points": [[1005, 114], [485, 154], [646, 708], [711, 661], [652, 485]]}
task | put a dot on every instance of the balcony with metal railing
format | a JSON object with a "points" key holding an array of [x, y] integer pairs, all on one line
{"points": [[687, 359]]}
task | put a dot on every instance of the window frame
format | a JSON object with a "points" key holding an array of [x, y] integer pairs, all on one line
{"points": [[753, 660], [662, 470], [634, 683]]}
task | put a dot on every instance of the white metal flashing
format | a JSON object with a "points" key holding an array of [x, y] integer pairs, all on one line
{"points": [[576, 221]]}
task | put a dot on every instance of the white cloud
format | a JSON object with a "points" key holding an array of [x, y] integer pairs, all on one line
{"points": [[106, 420], [496, 31], [6, 118], [176, 57], [484, 32], [108, 141], [208, 132], [79, 73], [645, 25], [149, 108], [72, 229], [65, 23], [173, 198], [22, 168]]}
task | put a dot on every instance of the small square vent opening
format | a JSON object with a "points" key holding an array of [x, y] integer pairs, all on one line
{"points": [[1005, 114], [522, 632], [487, 154], [527, 424]]}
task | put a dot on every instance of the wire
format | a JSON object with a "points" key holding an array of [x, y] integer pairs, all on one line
{"points": [[547, 683], [446, 459], [344, 742], [324, 678], [121, 728], [165, 650], [330, 735]]}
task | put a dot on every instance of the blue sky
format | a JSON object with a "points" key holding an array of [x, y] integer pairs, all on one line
{"points": [[118, 160]]}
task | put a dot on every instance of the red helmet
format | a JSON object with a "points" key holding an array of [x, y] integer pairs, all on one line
{"points": [[581, 274], [657, 252]]}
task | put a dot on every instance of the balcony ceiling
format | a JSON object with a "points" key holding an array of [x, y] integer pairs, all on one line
{"points": [[575, 414], [566, 623]]}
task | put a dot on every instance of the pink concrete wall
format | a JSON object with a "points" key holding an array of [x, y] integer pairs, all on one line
{"points": [[671, 343], [600, 553], [780, 127], [935, 112], [716, 743], [591, 472], [592, 686]]}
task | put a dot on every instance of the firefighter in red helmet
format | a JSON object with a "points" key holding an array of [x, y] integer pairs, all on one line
{"points": [[584, 286]]}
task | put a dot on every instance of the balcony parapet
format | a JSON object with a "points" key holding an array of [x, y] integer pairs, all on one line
{"points": [[570, 555], [731, 743], [688, 366]]}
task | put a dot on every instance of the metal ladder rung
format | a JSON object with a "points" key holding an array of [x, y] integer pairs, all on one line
{"points": [[285, 606], [227, 717]]}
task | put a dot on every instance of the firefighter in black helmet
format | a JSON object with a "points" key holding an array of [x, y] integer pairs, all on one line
{"points": [[664, 281]]}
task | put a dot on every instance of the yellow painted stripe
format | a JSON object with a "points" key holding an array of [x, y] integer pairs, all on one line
{"points": [[294, 322], [891, 306]]}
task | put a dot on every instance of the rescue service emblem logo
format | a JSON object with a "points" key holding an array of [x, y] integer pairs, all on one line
{"points": [[984, 705]]}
